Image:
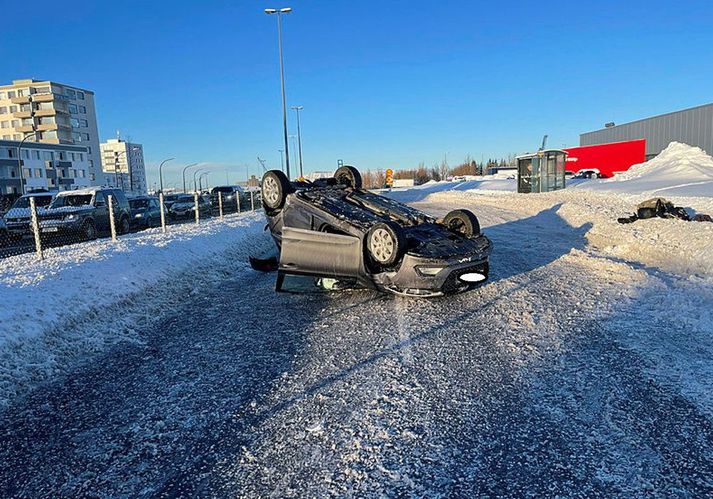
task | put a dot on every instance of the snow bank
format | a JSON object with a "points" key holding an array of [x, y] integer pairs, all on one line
{"points": [[85, 297], [680, 170], [487, 183]]}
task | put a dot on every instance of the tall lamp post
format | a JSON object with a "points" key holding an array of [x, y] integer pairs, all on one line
{"points": [[279, 13], [160, 171], [200, 180], [282, 160], [19, 160], [299, 135], [184, 176], [195, 180], [128, 169]]}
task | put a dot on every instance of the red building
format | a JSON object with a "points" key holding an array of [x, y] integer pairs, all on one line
{"points": [[608, 159]]}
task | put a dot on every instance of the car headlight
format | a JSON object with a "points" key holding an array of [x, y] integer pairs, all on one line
{"points": [[70, 217], [428, 271], [138, 215]]}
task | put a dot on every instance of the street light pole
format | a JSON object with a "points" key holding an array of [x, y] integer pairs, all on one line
{"points": [[160, 171], [19, 160], [200, 180], [282, 160], [299, 136], [279, 13], [195, 180], [184, 176]]}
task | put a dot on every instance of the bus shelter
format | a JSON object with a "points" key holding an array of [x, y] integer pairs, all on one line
{"points": [[542, 171]]}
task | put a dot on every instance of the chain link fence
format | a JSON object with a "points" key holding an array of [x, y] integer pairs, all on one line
{"points": [[39, 221]]}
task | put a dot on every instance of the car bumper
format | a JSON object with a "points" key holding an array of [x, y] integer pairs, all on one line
{"points": [[455, 275], [57, 227]]}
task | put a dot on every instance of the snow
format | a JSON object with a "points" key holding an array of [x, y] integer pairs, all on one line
{"points": [[73, 302], [679, 170]]}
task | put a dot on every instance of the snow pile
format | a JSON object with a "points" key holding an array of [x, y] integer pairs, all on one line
{"points": [[84, 297], [484, 184], [680, 170]]}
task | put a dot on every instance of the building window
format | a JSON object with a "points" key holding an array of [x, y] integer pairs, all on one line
{"points": [[3, 110], [5, 137], [74, 122], [38, 172], [80, 95], [83, 123], [91, 163], [92, 177], [48, 155], [5, 124], [62, 156], [11, 153], [85, 136], [11, 94], [35, 154], [81, 156], [26, 153], [73, 108], [89, 150], [27, 173], [71, 93], [83, 109], [15, 123], [13, 109]]}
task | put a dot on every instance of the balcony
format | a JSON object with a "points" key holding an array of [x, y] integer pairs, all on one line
{"points": [[22, 114], [42, 98], [25, 128], [45, 112], [20, 100], [47, 126]]}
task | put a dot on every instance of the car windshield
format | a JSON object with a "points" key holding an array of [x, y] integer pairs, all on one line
{"points": [[185, 199], [224, 190], [72, 200], [40, 201], [170, 197], [137, 204]]}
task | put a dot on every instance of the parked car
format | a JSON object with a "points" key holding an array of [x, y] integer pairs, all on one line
{"points": [[4, 239], [145, 212], [18, 216], [184, 207], [332, 228], [232, 194], [169, 199], [85, 212]]}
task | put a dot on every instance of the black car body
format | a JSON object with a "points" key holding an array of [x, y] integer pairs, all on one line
{"points": [[18, 216], [332, 228], [231, 195], [185, 207], [145, 212], [84, 213]]}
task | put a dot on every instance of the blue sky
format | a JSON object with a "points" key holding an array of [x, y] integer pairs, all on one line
{"points": [[383, 84]]}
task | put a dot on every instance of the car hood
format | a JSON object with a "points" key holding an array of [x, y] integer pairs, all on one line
{"points": [[22, 212], [182, 205], [66, 210]]}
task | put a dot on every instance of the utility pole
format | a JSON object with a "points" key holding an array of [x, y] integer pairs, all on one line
{"points": [[279, 13]]}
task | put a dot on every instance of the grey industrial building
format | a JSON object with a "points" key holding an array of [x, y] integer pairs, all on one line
{"points": [[692, 126]]}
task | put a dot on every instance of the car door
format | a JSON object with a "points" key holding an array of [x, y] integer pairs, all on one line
{"points": [[311, 252], [101, 211]]}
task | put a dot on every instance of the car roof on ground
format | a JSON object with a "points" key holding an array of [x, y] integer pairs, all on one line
{"points": [[86, 190], [35, 194]]}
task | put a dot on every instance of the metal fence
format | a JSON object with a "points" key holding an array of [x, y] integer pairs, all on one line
{"points": [[33, 228]]}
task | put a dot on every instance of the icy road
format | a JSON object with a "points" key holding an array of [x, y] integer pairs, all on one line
{"points": [[582, 368]]}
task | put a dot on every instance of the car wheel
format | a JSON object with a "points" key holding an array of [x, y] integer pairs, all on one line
{"points": [[275, 187], [124, 226], [385, 243], [462, 222], [348, 175], [89, 231]]}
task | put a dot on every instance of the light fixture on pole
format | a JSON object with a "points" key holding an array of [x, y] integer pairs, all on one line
{"points": [[299, 136], [160, 171], [279, 13], [195, 179], [184, 175]]}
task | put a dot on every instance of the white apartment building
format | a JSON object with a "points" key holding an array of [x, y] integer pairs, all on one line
{"points": [[123, 166], [52, 113], [51, 167]]}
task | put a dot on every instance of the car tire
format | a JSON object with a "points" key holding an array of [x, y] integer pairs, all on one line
{"points": [[124, 225], [275, 187], [348, 175], [89, 231], [385, 244], [462, 222]]}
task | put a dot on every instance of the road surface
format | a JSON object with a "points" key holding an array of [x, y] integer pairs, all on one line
{"points": [[536, 384]]}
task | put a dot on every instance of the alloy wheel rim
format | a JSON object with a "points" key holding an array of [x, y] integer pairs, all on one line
{"points": [[382, 245], [271, 191]]}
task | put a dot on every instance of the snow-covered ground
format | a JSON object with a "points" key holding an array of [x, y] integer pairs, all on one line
{"points": [[85, 297], [583, 367]]}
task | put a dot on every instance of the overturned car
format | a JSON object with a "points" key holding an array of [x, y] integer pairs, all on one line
{"points": [[332, 228]]}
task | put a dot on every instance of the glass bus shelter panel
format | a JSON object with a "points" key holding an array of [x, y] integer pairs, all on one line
{"points": [[524, 170]]}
